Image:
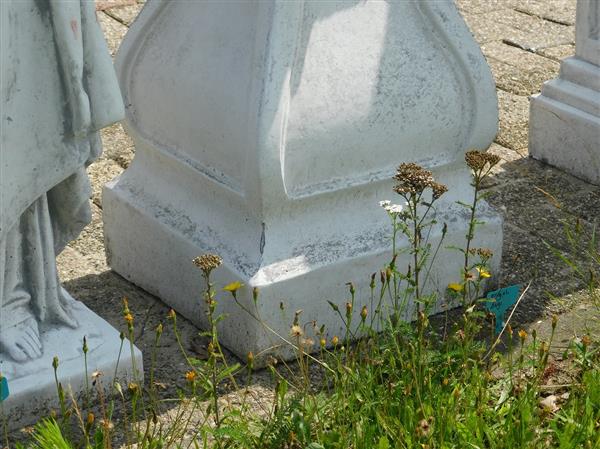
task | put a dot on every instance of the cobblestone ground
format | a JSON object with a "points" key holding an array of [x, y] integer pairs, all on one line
{"points": [[523, 42]]}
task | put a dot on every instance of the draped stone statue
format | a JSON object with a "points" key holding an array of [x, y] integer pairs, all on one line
{"points": [[58, 89]]}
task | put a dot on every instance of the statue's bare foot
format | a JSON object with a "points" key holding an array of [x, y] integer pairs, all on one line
{"points": [[22, 341]]}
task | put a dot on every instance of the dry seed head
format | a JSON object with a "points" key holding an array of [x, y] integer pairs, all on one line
{"points": [[308, 342], [477, 160], [412, 179], [423, 429], [586, 340], [106, 424], [296, 331], [438, 190], [207, 262]]}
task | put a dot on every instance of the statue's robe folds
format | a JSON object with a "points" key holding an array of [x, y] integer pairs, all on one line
{"points": [[58, 88]]}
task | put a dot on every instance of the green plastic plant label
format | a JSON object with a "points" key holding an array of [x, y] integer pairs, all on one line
{"points": [[499, 301], [3, 388]]}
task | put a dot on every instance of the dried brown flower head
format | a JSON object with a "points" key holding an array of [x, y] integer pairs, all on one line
{"points": [[438, 190], [477, 160], [412, 179], [484, 253], [207, 262]]}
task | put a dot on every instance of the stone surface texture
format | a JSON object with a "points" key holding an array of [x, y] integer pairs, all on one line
{"points": [[565, 116], [514, 191], [279, 165]]}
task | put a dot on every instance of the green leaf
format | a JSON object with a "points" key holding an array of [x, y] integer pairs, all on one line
{"points": [[383, 443]]}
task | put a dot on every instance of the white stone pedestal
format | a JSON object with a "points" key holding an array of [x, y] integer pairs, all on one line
{"points": [[564, 123], [32, 386], [267, 132]]}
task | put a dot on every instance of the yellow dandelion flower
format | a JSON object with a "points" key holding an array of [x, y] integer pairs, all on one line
{"points": [[522, 334], [455, 287], [190, 376], [483, 273], [233, 287]]}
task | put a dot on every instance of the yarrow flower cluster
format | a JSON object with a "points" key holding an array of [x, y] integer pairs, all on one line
{"points": [[207, 262], [392, 208], [479, 160], [484, 253], [414, 179]]}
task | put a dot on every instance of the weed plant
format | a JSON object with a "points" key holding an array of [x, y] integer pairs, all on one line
{"points": [[391, 381]]}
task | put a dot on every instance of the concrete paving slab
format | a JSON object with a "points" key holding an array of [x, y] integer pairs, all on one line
{"points": [[559, 11], [527, 61], [117, 145], [485, 6], [113, 31], [559, 52], [102, 5], [486, 28], [125, 14], [100, 173], [514, 120]]}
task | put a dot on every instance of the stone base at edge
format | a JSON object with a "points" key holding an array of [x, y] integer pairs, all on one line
{"points": [[32, 386], [564, 123], [156, 255]]}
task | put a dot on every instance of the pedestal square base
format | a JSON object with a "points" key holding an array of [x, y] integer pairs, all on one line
{"points": [[32, 385]]}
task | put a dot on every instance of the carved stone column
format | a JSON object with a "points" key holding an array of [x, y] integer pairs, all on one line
{"points": [[564, 123], [267, 132]]}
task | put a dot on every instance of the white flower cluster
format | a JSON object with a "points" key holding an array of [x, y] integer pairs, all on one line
{"points": [[392, 208]]}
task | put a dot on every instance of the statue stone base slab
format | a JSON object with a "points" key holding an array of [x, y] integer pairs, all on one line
{"points": [[308, 273], [32, 386], [564, 124], [564, 119]]}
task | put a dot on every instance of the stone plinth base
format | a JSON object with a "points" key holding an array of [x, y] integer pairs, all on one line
{"points": [[32, 386], [564, 123], [156, 247]]}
